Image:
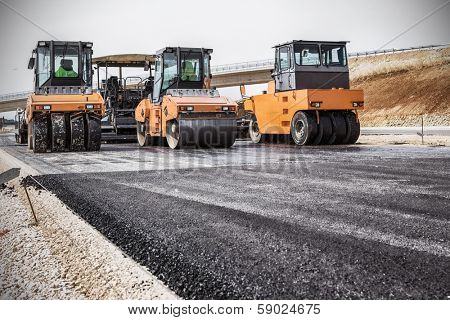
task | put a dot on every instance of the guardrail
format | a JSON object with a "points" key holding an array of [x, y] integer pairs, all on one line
{"points": [[266, 64], [388, 51], [15, 96], [250, 65]]}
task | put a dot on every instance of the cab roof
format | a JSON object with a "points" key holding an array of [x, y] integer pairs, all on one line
{"points": [[46, 43], [183, 49], [310, 42], [125, 60]]}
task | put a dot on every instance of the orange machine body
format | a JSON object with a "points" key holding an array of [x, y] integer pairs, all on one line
{"points": [[91, 103], [171, 107], [275, 110]]}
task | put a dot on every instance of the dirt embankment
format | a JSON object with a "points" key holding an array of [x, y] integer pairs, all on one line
{"points": [[400, 88]]}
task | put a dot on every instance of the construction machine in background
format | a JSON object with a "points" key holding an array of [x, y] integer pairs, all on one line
{"points": [[309, 100], [122, 93], [21, 127], [63, 113], [182, 109]]}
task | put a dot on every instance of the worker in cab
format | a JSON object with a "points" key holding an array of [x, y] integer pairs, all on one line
{"points": [[189, 71], [65, 70]]}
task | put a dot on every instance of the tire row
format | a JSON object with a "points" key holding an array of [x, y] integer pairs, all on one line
{"points": [[58, 132], [332, 127]]}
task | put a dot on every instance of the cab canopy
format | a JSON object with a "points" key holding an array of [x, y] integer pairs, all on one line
{"points": [[181, 68], [62, 67], [303, 64], [125, 60]]}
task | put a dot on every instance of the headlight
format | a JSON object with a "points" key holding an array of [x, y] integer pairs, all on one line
{"points": [[315, 104], [186, 108], [358, 104], [228, 108], [89, 106]]}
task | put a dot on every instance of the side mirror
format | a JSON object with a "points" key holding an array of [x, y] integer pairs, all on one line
{"points": [[31, 63], [150, 96], [242, 89], [272, 73], [147, 66]]}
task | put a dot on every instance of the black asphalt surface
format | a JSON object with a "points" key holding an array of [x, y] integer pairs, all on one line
{"points": [[359, 222]]}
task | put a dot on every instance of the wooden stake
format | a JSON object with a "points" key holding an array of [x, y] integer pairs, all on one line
{"points": [[29, 201]]}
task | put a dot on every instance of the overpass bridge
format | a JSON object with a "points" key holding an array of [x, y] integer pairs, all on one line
{"points": [[227, 75]]}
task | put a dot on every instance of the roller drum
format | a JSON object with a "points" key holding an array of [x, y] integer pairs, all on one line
{"points": [[204, 133]]}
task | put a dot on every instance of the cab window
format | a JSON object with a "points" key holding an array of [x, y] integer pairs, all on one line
{"points": [[284, 58], [307, 55], [170, 69], [334, 55], [206, 65], [190, 66], [66, 62], [43, 65], [87, 68]]}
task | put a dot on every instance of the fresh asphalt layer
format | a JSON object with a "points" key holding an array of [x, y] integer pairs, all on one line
{"points": [[268, 221]]}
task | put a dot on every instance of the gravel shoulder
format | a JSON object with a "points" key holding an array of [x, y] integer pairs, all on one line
{"points": [[63, 257]]}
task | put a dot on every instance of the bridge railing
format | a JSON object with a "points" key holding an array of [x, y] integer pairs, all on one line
{"points": [[15, 95], [393, 50], [250, 65]]}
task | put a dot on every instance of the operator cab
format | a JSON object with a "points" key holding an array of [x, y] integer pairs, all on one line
{"points": [[311, 65], [62, 67], [181, 68]]}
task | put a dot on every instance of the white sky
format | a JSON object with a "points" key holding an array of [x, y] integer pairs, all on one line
{"points": [[237, 30]]}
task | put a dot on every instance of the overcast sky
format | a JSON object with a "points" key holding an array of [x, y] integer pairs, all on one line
{"points": [[237, 30]]}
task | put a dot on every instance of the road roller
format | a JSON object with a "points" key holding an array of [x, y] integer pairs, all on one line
{"points": [[63, 113], [309, 100], [183, 110]]}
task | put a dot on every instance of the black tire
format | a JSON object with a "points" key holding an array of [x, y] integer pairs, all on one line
{"points": [[93, 133], [30, 135], [303, 128], [40, 134], [353, 128], [77, 132], [327, 129], [23, 137], [319, 133], [58, 139], [339, 127], [253, 131]]}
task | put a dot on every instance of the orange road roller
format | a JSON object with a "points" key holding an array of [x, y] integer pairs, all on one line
{"points": [[182, 110], [63, 113], [309, 99]]}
